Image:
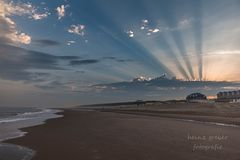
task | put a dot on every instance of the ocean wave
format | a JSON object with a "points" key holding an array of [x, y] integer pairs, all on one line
{"points": [[6, 120], [23, 116], [28, 115], [36, 112], [10, 126]]}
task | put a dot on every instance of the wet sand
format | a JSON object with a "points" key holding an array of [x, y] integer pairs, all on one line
{"points": [[90, 135]]}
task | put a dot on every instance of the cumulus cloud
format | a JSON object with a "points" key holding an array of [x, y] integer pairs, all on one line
{"points": [[9, 33], [40, 16], [61, 11], [77, 29], [70, 42], [20, 38], [145, 27], [144, 24], [130, 33], [154, 30], [20, 9], [150, 30], [145, 21]]}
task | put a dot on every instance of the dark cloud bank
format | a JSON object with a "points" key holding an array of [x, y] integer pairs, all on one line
{"points": [[15, 61], [46, 42], [82, 62], [163, 88]]}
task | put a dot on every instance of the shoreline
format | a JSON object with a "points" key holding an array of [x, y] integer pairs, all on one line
{"points": [[12, 151], [108, 135], [25, 131]]}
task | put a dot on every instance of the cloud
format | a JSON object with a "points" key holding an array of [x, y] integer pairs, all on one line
{"points": [[20, 9], [183, 24], [164, 84], [15, 63], [20, 38], [61, 11], [51, 85], [156, 30], [117, 59], [144, 24], [82, 72], [130, 33], [110, 57], [83, 62], [124, 60], [67, 86], [77, 29], [145, 21], [46, 42], [40, 16], [150, 30], [69, 57], [70, 42], [9, 34]]}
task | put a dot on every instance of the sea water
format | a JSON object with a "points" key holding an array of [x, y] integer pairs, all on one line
{"points": [[12, 119]]}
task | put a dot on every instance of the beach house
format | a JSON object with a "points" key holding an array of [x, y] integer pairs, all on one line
{"points": [[229, 96]]}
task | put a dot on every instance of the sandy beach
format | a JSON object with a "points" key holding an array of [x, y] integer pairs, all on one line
{"points": [[119, 80], [90, 135]]}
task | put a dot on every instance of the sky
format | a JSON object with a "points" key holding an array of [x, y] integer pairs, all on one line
{"points": [[58, 53]]}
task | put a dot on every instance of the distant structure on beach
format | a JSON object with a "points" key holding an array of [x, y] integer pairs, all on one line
{"points": [[196, 97], [230, 96]]}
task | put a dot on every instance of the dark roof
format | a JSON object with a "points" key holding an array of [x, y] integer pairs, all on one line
{"points": [[196, 96]]}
